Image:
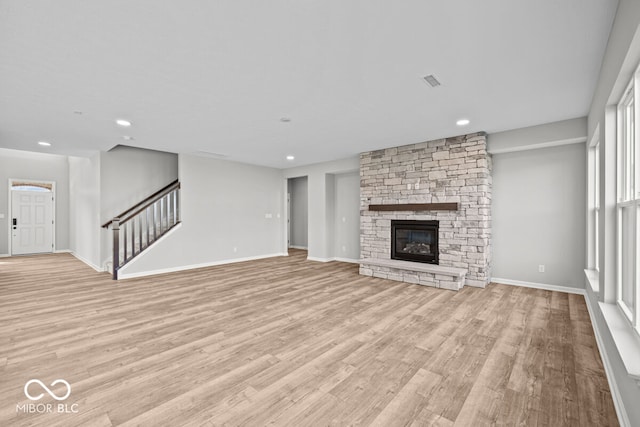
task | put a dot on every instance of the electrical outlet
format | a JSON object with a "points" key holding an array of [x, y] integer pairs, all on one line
{"points": [[541, 268], [417, 186], [344, 249], [408, 186], [268, 216], [235, 249]]}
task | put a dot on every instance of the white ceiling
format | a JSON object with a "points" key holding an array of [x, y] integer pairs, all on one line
{"points": [[217, 76]]}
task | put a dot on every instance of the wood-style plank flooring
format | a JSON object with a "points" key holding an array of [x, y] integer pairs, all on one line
{"points": [[289, 342]]}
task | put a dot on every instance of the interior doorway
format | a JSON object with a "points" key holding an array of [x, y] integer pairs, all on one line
{"points": [[298, 213], [32, 221]]}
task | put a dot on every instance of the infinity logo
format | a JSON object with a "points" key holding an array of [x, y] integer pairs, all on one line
{"points": [[52, 394]]}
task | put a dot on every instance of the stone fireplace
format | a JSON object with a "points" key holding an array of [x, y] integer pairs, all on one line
{"points": [[446, 181]]}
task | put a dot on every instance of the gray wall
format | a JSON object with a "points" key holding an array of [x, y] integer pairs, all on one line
{"points": [[299, 212], [16, 164], [84, 203], [347, 216], [229, 211], [128, 175], [321, 213], [330, 207], [538, 215]]}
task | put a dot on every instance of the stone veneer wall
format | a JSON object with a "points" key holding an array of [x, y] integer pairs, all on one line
{"points": [[454, 169]]}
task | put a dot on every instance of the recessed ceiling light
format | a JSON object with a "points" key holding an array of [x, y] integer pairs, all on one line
{"points": [[290, 157], [122, 122], [44, 143], [128, 138], [463, 122]]}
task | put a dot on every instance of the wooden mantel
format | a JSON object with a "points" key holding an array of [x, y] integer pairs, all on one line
{"points": [[415, 207]]}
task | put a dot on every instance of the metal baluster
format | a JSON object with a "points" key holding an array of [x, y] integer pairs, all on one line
{"points": [[155, 221], [124, 232], [165, 221], [177, 204], [168, 215], [166, 212], [116, 246], [133, 236], [148, 227], [130, 239], [140, 233], [173, 207], [161, 204], [159, 217]]}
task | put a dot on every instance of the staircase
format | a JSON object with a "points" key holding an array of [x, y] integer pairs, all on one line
{"points": [[137, 228]]}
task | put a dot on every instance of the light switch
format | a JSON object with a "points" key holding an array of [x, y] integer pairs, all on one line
{"points": [[268, 216], [1, 216]]}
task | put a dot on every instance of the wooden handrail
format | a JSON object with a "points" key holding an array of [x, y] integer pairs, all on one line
{"points": [[139, 207]]}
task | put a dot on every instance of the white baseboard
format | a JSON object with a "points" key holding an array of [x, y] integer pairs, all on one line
{"points": [[618, 403], [304, 248], [317, 259], [89, 263], [124, 275], [545, 286], [349, 260], [61, 251]]}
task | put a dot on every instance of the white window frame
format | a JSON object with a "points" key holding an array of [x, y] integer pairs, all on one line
{"points": [[628, 193], [593, 198]]}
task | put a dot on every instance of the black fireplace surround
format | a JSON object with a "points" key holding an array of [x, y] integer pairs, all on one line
{"points": [[414, 241]]}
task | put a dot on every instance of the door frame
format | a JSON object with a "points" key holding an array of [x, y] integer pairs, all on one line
{"points": [[287, 208], [10, 210]]}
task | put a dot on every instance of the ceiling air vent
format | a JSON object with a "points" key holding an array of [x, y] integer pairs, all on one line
{"points": [[431, 80]]}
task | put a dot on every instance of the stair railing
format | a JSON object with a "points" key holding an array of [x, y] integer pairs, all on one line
{"points": [[137, 228]]}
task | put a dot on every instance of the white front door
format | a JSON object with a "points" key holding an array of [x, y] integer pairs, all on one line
{"points": [[31, 222]]}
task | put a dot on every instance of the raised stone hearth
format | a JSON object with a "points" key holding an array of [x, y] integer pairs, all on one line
{"points": [[411, 272], [452, 170]]}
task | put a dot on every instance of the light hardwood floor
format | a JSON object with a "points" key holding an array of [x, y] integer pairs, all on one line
{"points": [[285, 341]]}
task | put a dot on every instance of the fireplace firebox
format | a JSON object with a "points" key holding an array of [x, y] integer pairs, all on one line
{"points": [[414, 241]]}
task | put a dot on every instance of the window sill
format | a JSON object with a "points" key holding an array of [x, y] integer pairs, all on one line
{"points": [[593, 278], [626, 339]]}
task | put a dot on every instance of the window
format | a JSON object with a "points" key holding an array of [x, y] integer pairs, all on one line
{"points": [[31, 186], [628, 207], [594, 201]]}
